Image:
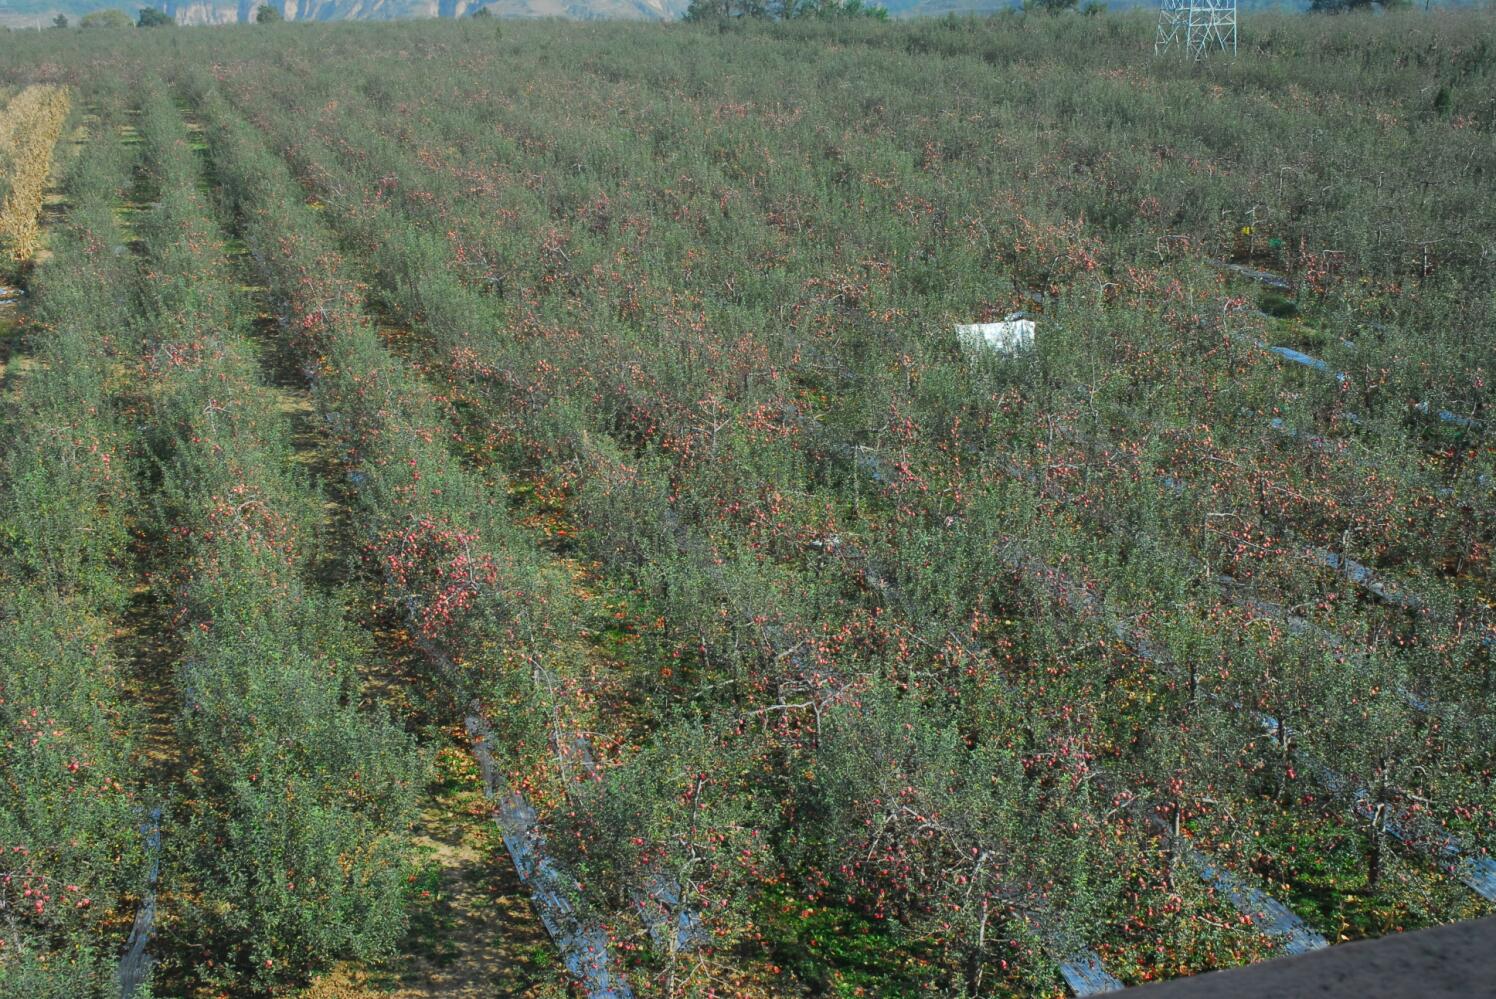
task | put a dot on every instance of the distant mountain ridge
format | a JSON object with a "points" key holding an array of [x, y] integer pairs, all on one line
{"points": [[242, 11], [29, 13], [39, 13]]}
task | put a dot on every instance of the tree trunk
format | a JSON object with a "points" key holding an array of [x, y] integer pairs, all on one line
{"points": [[1374, 849]]}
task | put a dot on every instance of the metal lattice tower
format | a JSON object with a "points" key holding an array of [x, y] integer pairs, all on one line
{"points": [[1198, 26]]}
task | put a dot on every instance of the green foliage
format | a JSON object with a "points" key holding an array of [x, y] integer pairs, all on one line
{"points": [[1278, 305], [69, 811], [110, 18], [266, 14], [834, 9], [1351, 6], [155, 17], [837, 950], [1442, 101], [1050, 6], [720, 10], [640, 384], [291, 835], [722, 528], [67, 822]]}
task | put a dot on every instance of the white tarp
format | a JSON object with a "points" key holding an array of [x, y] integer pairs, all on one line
{"points": [[1012, 336]]}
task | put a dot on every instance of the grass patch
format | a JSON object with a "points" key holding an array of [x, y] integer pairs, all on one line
{"points": [[837, 951]]}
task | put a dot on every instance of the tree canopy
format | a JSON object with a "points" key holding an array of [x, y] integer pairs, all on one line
{"points": [[783, 10], [110, 18]]}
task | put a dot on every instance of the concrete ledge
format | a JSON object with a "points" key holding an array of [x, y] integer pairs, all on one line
{"points": [[1446, 961]]}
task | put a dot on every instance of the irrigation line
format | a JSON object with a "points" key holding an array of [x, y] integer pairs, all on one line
{"points": [[1453, 857], [659, 895], [1364, 577], [1267, 279], [135, 966], [1446, 416], [1353, 571], [1269, 916], [1082, 970], [1327, 446], [582, 943], [1278, 282], [1303, 626], [1266, 913], [1356, 573], [1449, 853], [1323, 367], [1085, 975]]}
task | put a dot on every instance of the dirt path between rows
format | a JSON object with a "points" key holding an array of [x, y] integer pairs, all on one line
{"points": [[473, 934], [472, 930]]}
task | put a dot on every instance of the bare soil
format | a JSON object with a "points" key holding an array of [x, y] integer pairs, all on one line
{"points": [[473, 934]]}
